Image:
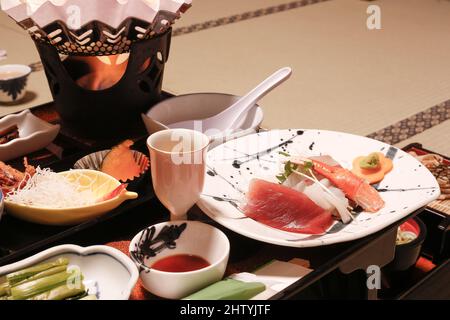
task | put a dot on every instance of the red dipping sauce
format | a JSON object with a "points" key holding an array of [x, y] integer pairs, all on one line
{"points": [[180, 263]]}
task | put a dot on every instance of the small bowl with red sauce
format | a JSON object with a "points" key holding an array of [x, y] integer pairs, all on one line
{"points": [[178, 258]]}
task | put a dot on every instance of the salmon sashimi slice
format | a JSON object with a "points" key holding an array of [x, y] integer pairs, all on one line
{"points": [[354, 187], [284, 208]]}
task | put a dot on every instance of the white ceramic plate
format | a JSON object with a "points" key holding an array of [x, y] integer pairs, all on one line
{"points": [[232, 165], [114, 273], [34, 134]]}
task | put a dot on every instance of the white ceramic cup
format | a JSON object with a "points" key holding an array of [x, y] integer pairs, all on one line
{"points": [[13, 82], [178, 167], [199, 239]]}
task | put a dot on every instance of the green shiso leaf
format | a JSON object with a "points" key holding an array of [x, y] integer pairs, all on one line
{"points": [[289, 167]]}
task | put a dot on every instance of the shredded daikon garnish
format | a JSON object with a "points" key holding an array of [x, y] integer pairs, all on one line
{"points": [[49, 189]]}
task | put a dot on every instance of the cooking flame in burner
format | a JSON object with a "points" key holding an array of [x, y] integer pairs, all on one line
{"points": [[99, 73]]}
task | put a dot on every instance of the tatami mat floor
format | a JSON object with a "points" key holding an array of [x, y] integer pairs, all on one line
{"points": [[21, 50], [436, 139], [208, 10], [346, 77]]}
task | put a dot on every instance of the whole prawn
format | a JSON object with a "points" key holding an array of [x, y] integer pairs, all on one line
{"points": [[12, 179]]}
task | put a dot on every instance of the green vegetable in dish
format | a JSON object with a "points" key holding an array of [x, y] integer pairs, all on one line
{"points": [[43, 274], [228, 289], [16, 277], [4, 288], [60, 293], [35, 287], [372, 161], [45, 281]]}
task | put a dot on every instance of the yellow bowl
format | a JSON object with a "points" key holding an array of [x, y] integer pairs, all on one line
{"points": [[69, 216]]}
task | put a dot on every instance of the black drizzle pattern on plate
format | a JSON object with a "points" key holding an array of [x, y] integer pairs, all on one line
{"points": [[249, 157], [213, 173], [237, 164]]}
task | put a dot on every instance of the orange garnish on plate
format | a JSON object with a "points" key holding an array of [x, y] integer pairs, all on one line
{"points": [[120, 163], [373, 167]]}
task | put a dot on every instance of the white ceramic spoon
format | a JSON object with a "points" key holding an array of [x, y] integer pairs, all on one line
{"points": [[227, 118]]}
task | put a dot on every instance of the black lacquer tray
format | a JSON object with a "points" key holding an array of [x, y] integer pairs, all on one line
{"points": [[19, 238], [339, 271]]}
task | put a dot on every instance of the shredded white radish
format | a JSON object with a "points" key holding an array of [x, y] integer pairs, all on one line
{"points": [[340, 206], [48, 189]]}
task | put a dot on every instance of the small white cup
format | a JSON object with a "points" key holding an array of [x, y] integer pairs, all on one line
{"points": [[13, 82], [199, 239]]}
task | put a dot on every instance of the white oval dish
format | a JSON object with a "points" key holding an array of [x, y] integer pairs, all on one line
{"points": [[201, 106], [114, 273], [232, 165], [198, 239], [100, 183], [34, 134]]}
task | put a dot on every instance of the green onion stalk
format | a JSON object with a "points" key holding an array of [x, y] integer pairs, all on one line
{"points": [[43, 274], [18, 276], [42, 285], [4, 286], [60, 293]]}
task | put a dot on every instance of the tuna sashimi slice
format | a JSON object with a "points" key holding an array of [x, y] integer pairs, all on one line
{"points": [[284, 208]]}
